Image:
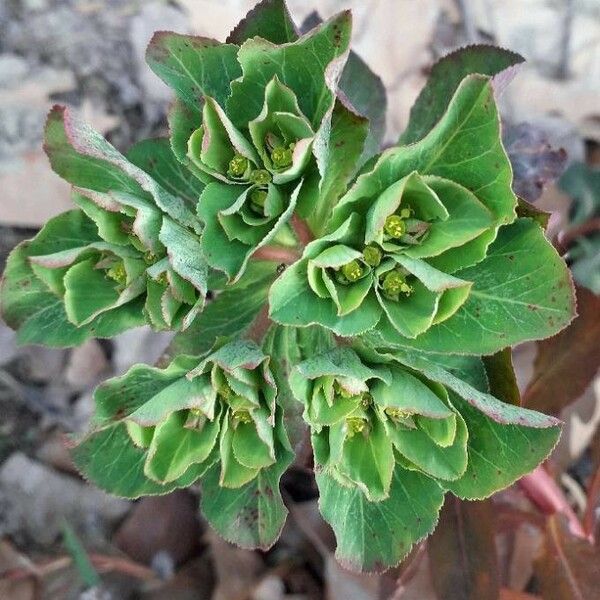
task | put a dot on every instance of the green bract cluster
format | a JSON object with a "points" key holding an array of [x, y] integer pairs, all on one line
{"points": [[352, 291]]}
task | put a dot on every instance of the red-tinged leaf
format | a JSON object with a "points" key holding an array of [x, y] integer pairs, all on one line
{"points": [[566, 363], [445, 77], [269, 19], [501, 376], [462, 552], [569, 567]]}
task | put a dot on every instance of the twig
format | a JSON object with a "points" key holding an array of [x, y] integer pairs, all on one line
{"points": [[259, 326], [101, 562], [277, 254], [466, 13], [593, 497], [301, 229], [543, 491]]}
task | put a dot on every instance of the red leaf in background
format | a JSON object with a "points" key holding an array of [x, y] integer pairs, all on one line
{"points": [[566, 363], [569, 567], [462, 552]]}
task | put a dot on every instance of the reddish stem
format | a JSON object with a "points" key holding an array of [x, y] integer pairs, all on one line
{"points": [[301, 229], [589, 518], [543, 491], [277, 254], [260, 325]]}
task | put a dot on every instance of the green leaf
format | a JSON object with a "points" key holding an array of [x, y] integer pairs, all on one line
{"points": [[229, 314], [39, 316], [253, 515], [270, 20], [183, 121], [109, 459], [499, 454], [156, 157], [193, 66], [446, 76], [500, 412], [84, 158], [83, 564], [464, 147], [185, 254], [501, 376], [366, 93], [300, 65], [374, 536], [338, 159], [522, 291]]}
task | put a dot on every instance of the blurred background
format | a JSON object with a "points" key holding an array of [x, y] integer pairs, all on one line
{"points": [[62, 538]]}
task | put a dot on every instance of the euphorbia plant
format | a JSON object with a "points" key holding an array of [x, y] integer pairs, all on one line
{"points": [[354, 291]]}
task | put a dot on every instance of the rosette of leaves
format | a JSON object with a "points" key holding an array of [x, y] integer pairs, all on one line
{"points": [[390, 439], [128, 255], [413, 248], [216, 418]]}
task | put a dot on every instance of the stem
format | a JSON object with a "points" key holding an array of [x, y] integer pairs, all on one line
{"points": [[589, 518], [301, 229], [277, 254], [543, 491], [260, 325]]}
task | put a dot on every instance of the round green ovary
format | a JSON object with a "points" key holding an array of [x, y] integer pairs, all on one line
{"points": [[395, 226], [281, 157], [352, 271], [237, 166]]}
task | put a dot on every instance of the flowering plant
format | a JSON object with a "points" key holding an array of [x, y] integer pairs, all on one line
{"points": [[353, 291]]}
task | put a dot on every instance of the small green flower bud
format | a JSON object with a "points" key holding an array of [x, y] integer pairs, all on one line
{"points": [[117, 272], [237, 166], [394, 283], [163, 278], [405, 213], [372, 255], [281, 157], [257, 201], [225, 392], [395, 226], [241, 416], [352, 271], [149, 258], [357, 425]]}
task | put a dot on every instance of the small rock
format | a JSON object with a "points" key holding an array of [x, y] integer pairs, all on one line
{"points": [[161, 530], [12, 69], [35, 501], [40, 364], [85, 366]]}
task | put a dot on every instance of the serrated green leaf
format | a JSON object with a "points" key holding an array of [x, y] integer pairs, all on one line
{"points": [[270, 20], [499, 454], [522, 291], [300, 65], [109, 459], [156, 157], [253, 515], [84, 158], [338, 158], [193, 66], [374, 536], [446, 76]]}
